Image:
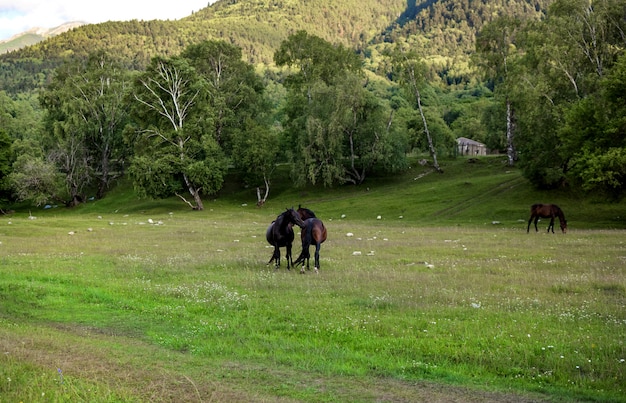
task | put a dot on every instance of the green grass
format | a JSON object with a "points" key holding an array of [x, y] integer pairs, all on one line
{"points": [[442, 303]]}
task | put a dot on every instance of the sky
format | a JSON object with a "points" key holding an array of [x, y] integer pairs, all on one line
{"points": [[21, 15]]}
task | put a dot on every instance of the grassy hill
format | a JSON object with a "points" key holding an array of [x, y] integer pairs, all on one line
{"points": [[482, 192]]}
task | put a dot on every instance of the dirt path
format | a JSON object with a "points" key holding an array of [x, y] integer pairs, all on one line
{"points": [[98, 358]]}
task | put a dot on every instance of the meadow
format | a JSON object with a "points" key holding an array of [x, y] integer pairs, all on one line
{"points": [[430, 289]]}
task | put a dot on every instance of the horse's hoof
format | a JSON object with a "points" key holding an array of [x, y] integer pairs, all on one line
{"points": [[317, 271]]}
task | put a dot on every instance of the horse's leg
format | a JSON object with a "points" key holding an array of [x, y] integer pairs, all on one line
{"points": [[277, 256], [536, 220], [306, 255], [273, 256], [551, 225], [306, 258], [529, 221], [289, 260], [317, 257]]}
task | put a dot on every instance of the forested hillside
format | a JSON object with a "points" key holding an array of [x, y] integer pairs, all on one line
{"points": [[444, 32], [338, 91]]}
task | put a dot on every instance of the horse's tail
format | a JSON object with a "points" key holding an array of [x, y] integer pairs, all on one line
{"points": [[307, 239], [308, 235]]}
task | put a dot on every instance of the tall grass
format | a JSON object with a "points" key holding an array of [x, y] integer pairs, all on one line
{"points": [[144, 303]]}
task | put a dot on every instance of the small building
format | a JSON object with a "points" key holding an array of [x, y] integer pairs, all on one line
{"points": [[470, 147]]}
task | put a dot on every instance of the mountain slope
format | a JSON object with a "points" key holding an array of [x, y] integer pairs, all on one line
{"points": [[443, 31], [35, 35]]}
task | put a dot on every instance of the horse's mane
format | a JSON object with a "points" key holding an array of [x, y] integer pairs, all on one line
{"points": [[309, 213]]}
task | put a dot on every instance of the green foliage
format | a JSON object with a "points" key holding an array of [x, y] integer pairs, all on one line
{"points": [[173, 133], [603, 171], [495, 46], [233, 90], [20, 117], [88, 97], [339, 131], [85, 115], [568, 48], [36, 180], [257, 27], [155, 175], [257, 153], [562, 109], [6, 159], [316, 59], [595, 132], [409, 71]]}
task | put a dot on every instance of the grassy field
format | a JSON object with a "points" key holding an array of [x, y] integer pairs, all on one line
{"points": [[430, 289]]}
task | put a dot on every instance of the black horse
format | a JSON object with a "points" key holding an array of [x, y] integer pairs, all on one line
{"points": [[550, 211], [280, 234], [314, 232]]}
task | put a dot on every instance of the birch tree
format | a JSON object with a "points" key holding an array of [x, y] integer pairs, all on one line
{"points": [[86, 114], [409, 71], [175, 153], [495, 47]]}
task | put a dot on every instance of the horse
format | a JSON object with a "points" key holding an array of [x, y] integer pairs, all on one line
{"points": [[280, 234], [538, 211], [305, 213], [314, 232]]}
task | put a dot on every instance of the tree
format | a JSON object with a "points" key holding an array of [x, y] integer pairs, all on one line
{"points": [[35, 180], [257, 154], [174, 148], [563, 115], [495, 47], [235, 91], [410, 72], [595, 134], [236, 101], [337, 129], [66, 146], [86, 110], [6, 159], [101, 89]]}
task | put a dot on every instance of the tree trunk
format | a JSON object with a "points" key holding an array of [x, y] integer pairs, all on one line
{"points": [[261, 200], [104, 174], [510, 148], [431, 147], [195, 193]]}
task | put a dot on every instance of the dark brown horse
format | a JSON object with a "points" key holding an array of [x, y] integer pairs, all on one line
{"points": [[305, 213], [280, 234], [314, 232], [550, 211]]}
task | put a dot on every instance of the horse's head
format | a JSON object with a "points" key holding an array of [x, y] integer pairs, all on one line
{"points": [[293, 217], [305, 213], [564, 226]]}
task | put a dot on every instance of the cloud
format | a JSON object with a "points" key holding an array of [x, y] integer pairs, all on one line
{"points": [[16, 17]]}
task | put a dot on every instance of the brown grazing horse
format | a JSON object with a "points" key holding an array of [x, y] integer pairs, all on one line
{"points": [[550, 211], [314, 232]]}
